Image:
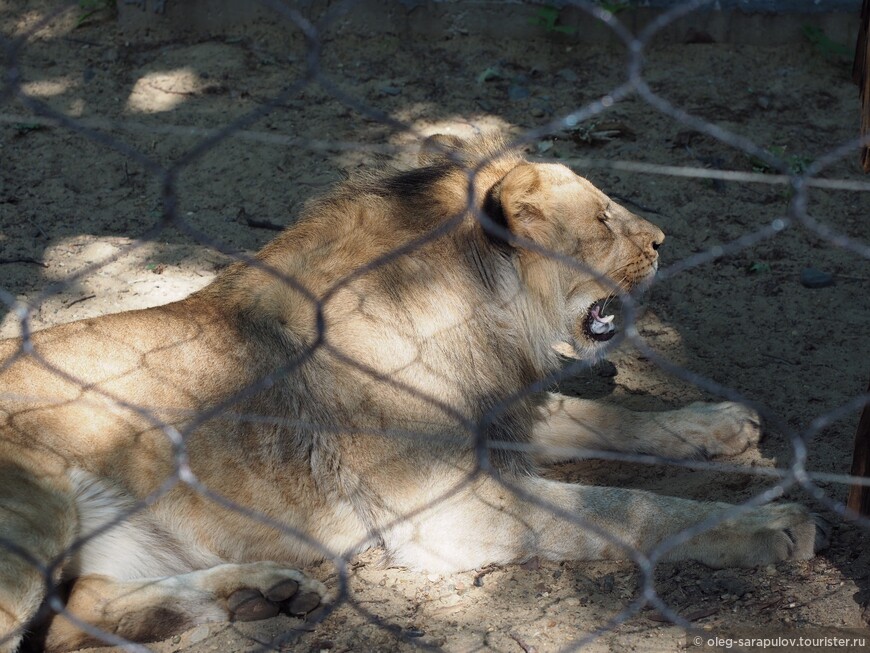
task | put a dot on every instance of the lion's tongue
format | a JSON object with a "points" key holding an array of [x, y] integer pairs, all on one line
{"points": [[601, 324]]}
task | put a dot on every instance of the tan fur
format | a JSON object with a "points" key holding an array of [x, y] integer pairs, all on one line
{"points": [[363, 382]]}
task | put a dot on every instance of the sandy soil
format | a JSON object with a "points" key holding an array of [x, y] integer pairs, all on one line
{"points": [[80, 235]]}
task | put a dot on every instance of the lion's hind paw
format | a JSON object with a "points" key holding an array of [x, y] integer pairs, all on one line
{"points": [[262, 590]]}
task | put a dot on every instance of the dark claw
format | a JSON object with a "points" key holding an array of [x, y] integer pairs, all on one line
{"points": [[282, 591], [250, 605], [302, 603]]}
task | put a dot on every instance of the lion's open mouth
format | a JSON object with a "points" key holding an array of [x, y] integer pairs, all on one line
{"points": [[598, 326]]}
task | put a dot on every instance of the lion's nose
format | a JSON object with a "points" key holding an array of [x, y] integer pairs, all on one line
{"points": [[657, 237]]}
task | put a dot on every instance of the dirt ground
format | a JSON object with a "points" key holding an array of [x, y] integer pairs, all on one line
{"points": [[80, 235]]}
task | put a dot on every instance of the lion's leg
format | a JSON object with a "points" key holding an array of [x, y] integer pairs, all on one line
{"points": [[489, 523], [696, 431], [146, 610], [37, 524]]}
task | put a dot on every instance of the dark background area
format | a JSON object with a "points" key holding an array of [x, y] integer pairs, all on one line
{"points": [[80, 235]]}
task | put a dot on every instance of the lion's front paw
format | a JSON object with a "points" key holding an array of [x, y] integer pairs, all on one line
{"points": [[722, 429], [782, 532], [262, 590], [766, 535]]}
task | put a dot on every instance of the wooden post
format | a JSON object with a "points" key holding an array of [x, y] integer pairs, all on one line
{"points": [[859, 495], [861, 75]]}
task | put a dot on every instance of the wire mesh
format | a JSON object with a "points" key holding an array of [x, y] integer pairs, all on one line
{"points": [[774, 169]]}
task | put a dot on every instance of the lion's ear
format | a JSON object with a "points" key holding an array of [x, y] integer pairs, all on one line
{"points": [[515, 202], [441, 147]]}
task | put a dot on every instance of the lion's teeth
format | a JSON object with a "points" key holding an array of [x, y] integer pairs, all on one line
{"points": [[600, 326], [607, 320]]}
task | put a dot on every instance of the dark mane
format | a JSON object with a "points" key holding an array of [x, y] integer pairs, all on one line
{"points": [[433, 190], [417, 181]]}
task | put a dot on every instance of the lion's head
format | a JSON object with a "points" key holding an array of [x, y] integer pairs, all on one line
{"points": [[571, 239], [604, 248], [474, 244]]}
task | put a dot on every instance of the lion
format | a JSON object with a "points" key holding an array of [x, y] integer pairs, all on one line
{"points": [[372, 377]]}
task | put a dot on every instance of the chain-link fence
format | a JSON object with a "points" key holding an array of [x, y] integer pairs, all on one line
{"points": [[744, 316]]}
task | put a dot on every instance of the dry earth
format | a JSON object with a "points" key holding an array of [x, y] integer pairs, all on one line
{"points": [[81, 235]]}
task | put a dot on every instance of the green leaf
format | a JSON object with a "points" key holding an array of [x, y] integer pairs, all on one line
{"points": [[548, 18], [26, 127], [824, 45], [758, 267]]}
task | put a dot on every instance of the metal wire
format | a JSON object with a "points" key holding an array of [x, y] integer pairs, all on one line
{"points": [[632, 85]]}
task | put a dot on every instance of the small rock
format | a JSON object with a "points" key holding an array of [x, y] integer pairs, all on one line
{"points": [[763, 101], [198, 634], [532, 564], [567, 74], [489, 74], [261, 637], [734, 585], [537, 112], [517, 92], [812, 278], [698, 36], [390, 90]]}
